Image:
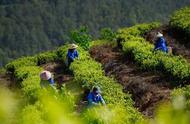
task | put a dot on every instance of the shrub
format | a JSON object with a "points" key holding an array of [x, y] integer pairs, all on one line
{"points": [[8, 106], [181, 20], [102, 42], [171, 113], [31, 88], [184, 91], [46, 57], [26, 71], [62, 53], [105, 115], [143, 54], [137, 30], [88, 73], [24, 61], [31, 115], [82, 37], [107, 34], [52, 107]]}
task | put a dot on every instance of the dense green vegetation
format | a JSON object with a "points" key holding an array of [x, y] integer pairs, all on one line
{"points": [[173, 66], [142, 52], [30, 26], [180, 20], [87, 73], [36, 105]]}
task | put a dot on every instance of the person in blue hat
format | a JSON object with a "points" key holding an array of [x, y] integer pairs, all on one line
{"points": [[160, 43], [95, 98]]}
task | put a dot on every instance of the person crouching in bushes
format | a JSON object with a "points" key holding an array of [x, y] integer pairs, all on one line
{"points": [[71, 54], [160, 43], [94, 97], [46, 79]]}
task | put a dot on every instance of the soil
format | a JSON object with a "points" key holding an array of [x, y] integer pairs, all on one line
{"points": [[148, 89], [174, 38], [6, 80]]}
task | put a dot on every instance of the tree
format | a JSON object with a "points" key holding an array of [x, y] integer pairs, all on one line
{"points": [[107, 34], [82, 37]]}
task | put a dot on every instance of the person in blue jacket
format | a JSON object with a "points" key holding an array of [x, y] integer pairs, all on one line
{"points": [[161, 43], [95, 98], [72, 54]]}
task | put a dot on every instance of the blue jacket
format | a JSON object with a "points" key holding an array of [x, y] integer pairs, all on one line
{"points": [[72, 55], [45, 83], [95, 99], [161, 45]]}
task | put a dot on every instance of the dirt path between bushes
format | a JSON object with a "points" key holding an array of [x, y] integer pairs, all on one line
{"points": [[60, 72], [5, 80], [148, 89], [64, 76]]}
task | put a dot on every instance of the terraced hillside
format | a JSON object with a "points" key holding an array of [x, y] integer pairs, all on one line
{"points": [[134, 79]]}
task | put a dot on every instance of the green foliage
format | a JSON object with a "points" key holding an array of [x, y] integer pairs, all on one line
{"points": [[107, 34], [184, 91], [174, 66], [31, 115], [49, 106], [26, 71], [46, 57], [32, 26], [25, 61], [8, 106], [31, 88], [137, 30], [2, 70], [105, 115], [143, 54], [62, 53], [172, 113], [88, 73], [102, 42], [52, 107], [82, 37], [181, 20]]}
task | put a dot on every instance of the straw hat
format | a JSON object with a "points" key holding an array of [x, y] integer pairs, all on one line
{"points": [[73, 46], [45, 75], [159, 35]]}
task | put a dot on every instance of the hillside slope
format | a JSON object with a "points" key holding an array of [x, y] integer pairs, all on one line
{"points": [[30, 26]]}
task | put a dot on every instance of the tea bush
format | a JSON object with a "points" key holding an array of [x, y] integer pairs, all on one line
{"points": [[180, 20], [8, 106], [82, 37], [89, 73], [46, 57], [26, 71], [136, 30], [184, 91], [143, 54], [107, 34], [52, 107], [24, 61], [104, 115]]}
